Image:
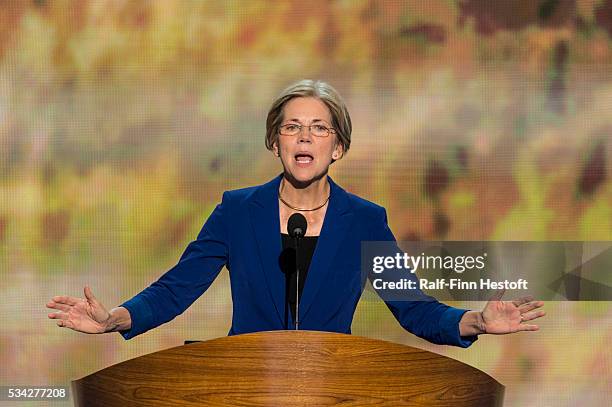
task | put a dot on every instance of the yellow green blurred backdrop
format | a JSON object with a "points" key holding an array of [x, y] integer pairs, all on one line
{"points": [[122, 122]]}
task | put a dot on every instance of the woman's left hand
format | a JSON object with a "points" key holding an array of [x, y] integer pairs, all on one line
{"points": [[505, 317], [502, 317]]}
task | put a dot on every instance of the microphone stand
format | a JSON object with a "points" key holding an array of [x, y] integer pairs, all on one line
{"points": [[297, 284], [297, 226]]}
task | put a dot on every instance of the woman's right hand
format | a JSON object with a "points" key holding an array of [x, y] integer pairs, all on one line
{"points": [[86, 315]]}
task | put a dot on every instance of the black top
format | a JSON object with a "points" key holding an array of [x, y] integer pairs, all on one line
{"points": [[287, 264]]}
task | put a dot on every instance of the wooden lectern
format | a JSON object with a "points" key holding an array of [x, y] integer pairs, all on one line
{"points": [[289, 368]]}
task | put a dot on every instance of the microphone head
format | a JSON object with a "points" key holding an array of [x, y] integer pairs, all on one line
{"points": [[297, 225]]}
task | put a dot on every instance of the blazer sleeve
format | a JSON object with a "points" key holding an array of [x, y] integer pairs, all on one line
{"points": [[179, 287], [426, 317]]}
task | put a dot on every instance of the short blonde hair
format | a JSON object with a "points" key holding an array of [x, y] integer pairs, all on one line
{"points": [[341, 120]]}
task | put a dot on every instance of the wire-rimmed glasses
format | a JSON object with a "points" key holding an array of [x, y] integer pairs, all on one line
{"points": [[293, 129]]}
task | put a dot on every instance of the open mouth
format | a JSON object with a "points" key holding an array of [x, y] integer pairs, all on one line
{"points": [[304, 158]]}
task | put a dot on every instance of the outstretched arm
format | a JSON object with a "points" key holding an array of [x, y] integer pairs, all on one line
{"points": [[166, 298], [179, 287], [439, 323]]}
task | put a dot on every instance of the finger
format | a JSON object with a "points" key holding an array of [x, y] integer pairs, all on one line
{"points": [[528, 316], [497, 295], [530, 306], [64, 299], [528, 327], [58, 315], [89, 294], [64, 323], [518, 302], [57, 305]]}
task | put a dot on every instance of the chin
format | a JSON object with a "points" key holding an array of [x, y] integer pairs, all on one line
{"points": [[305, 176]]}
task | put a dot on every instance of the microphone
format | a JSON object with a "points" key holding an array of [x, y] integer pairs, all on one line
{"points": [[296, 228], [297, 225]]}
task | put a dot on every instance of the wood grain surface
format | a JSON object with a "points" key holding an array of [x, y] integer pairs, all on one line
{"points": [[289, 368]]}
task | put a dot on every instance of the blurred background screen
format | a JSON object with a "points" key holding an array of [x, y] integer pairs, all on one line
{"points": [[122, 122]]}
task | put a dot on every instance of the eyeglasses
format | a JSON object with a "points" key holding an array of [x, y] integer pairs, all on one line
{"points": [[293, 129]]}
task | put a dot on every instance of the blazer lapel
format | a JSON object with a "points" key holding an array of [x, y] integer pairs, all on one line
{"points": [[337, 220], [263, 209]]}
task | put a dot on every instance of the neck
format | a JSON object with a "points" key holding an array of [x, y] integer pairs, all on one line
{"points": [[302, 195]]}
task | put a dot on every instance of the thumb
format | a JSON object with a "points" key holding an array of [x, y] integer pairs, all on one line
{"points": [[89, 294], [497, 295]]}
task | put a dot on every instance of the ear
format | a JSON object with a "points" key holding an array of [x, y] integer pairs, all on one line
{"points": [[338, 152], [275, 149]]}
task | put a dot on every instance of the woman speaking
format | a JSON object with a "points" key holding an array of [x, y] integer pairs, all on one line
{"points": [[308, 128]]}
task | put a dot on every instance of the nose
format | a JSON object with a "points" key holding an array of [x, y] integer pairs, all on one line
{"points": [[304, 135]]}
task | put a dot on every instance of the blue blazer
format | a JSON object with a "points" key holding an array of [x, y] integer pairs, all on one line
{"points": [[243, 234]]}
